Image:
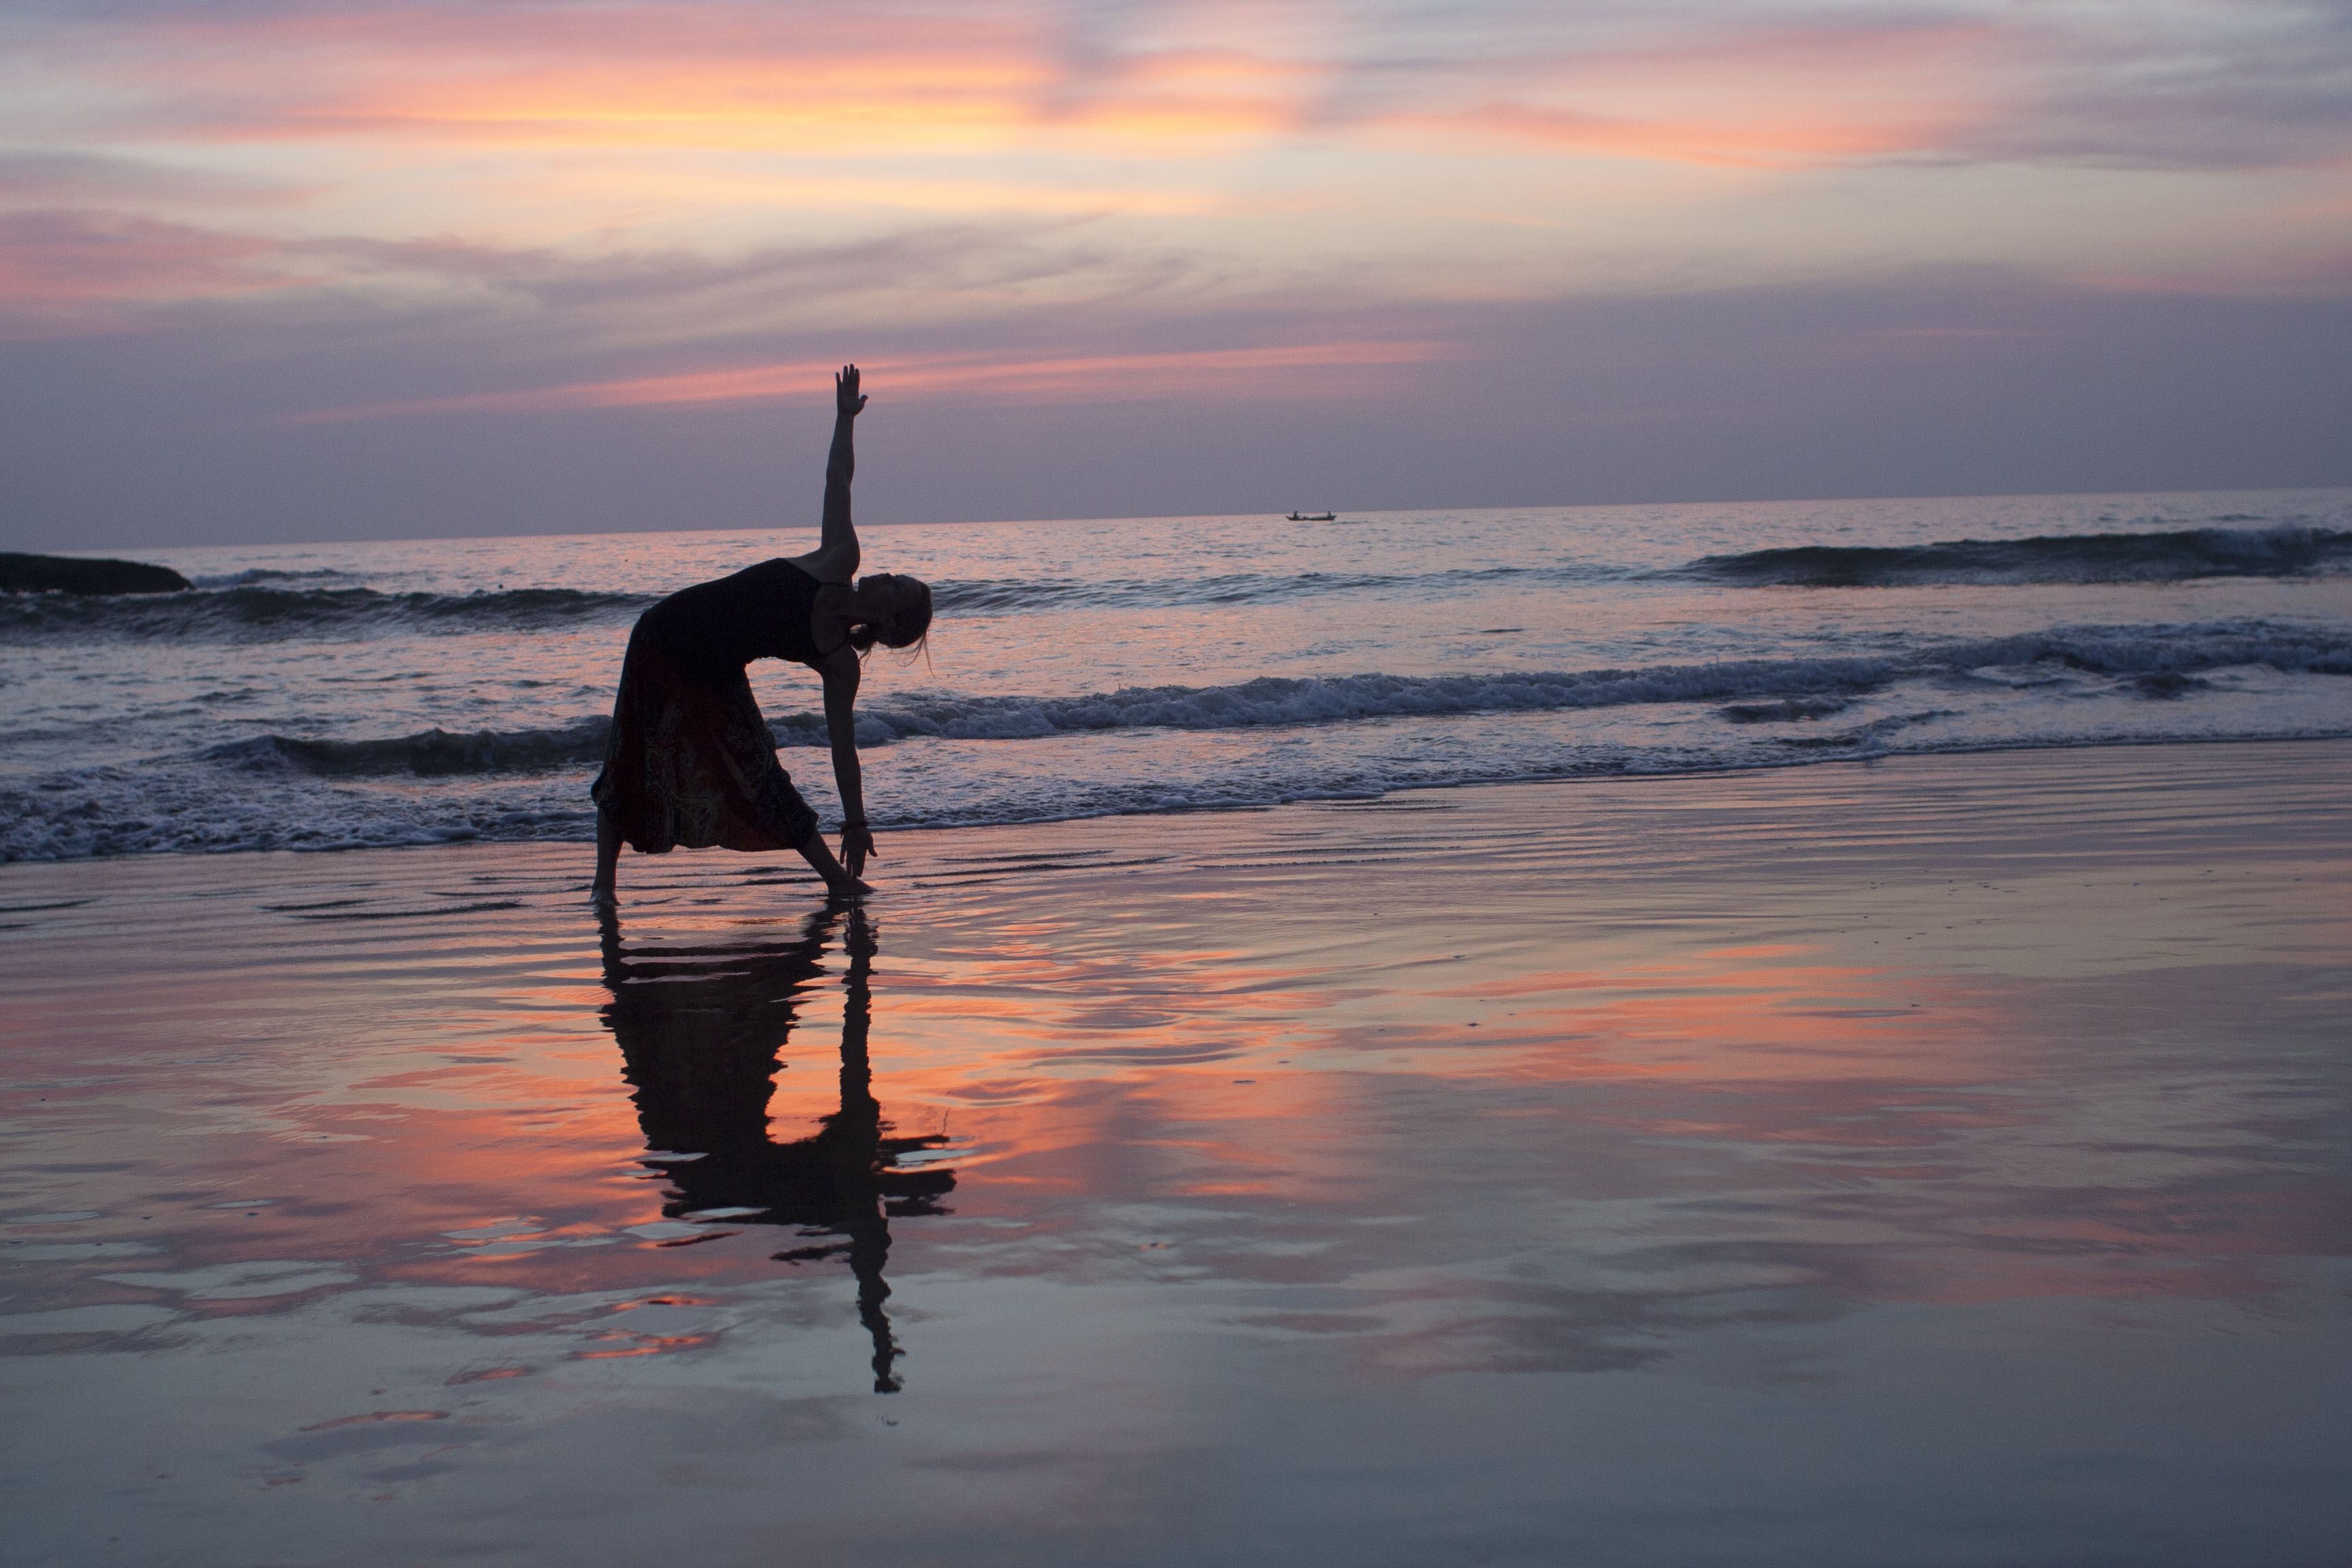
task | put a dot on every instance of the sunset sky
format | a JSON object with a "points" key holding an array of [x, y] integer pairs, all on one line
{"points": [[275, 271]]}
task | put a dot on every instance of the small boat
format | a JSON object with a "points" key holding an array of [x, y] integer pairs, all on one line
{"points": [[1315, 516]]}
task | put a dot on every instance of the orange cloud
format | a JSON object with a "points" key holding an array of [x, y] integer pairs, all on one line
{"points": [[711, 77], [1066, 380], [733, 77], [1799, 97]]}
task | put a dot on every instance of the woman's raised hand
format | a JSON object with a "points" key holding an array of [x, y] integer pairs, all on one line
{"points": [[846, 399]]}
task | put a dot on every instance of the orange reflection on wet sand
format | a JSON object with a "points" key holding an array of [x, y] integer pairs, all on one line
{"points": [[1679, 1098]]}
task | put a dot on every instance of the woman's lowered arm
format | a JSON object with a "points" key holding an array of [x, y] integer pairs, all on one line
{"points": [[841, 672]]}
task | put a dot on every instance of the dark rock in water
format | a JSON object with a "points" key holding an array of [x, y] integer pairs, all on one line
{"points": [[73, 575], [2169, 683], [1784, 711]]}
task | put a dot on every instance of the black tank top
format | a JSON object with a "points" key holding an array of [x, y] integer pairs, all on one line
{"points": [[713, 629]]}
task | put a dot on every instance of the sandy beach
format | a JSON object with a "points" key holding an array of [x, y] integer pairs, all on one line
{"points": [[1935, 1160]]}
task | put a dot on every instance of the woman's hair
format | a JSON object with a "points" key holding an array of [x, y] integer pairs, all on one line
{"points": [[907, 628]]}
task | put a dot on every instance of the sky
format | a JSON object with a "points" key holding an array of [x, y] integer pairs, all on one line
{"points": [[276, 271]]}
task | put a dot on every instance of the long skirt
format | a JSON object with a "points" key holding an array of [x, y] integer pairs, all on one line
{"points": [[691, 762]]}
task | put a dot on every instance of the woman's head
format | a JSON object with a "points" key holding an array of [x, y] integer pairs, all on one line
{"points": [[894, 610]]}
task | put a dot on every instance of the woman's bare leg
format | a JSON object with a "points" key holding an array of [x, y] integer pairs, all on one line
{"points": [[608, 860]]}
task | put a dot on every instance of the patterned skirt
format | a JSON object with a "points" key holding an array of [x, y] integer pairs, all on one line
{"points": [[691, 762]]}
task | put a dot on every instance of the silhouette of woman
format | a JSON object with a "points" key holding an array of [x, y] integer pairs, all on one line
{"points": [[689, 760], [700, 1031]]}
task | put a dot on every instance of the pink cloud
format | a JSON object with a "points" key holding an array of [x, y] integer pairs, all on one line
{"points": [[67, 272], [1087, 378], [69, 257]]}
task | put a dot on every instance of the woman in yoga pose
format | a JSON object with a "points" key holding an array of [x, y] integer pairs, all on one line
{"points": [[690, 761]]}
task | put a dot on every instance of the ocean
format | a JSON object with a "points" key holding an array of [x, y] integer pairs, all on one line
{"points": [[327, 696]]}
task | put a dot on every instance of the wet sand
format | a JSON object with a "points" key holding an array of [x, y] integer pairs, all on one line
{"points": [[1943, 1161]]}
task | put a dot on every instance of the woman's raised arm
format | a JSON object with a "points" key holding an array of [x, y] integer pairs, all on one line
{"points": [[838, 541]]}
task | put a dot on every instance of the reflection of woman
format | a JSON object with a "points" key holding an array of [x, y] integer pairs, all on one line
{"points": [[700, 1030], [690, 761]]}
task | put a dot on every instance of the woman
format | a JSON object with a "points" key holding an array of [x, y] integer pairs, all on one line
{"points": [[690, 761]]}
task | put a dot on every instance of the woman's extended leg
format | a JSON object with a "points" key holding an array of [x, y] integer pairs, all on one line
{"points": [[608, 859]]}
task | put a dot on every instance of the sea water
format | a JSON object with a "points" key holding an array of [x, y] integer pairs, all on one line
{"points": [[338, 696]]}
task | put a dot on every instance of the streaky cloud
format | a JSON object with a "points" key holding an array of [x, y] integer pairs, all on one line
{"points": [[1093, 378]]}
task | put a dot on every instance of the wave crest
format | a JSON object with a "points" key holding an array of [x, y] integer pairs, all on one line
{"points": [[264, 605], [256, 612], [2285, 550], [2136, 652], [431, 753]]}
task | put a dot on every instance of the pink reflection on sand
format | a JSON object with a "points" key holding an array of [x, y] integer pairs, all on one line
{"points": [[1654, 1132]]}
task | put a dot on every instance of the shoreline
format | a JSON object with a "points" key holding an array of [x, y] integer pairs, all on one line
{"points": [[1798, 764]]}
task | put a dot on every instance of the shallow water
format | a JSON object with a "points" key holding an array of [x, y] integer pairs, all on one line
{"points": [[1936, 1161], [330, 697]]}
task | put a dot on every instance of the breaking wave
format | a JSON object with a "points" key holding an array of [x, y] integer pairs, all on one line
{"points": [[2152, 662], [431, 753], [2160, 658], [2285, 550], [1320, 740]]}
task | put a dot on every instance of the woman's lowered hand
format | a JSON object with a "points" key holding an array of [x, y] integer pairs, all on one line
{"points": [[856, 846]]}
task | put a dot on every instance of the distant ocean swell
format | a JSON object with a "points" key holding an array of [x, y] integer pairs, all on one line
{"points": [[253, 606], [2155, 661], [2277, 552], [253, 612], [262, 606], [1014, 597]]}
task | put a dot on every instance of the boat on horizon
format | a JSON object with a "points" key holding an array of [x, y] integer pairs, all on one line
{"points": [[1314, 517]]}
